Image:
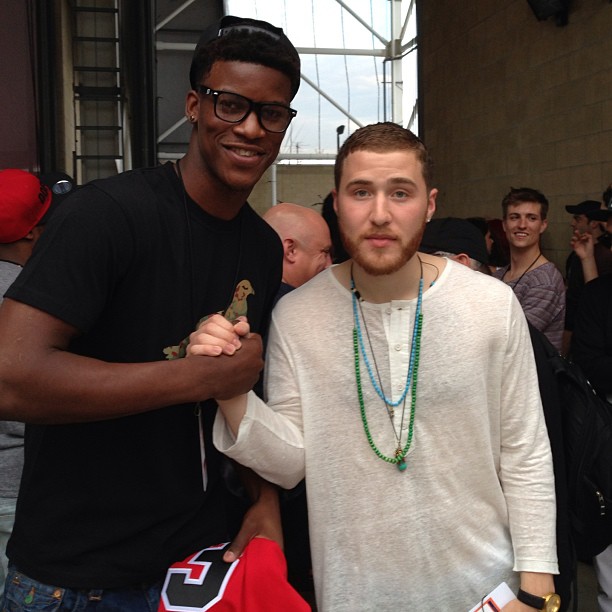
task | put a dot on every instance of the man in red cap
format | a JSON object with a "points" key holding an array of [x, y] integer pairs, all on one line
{"points": [[25, 206]]}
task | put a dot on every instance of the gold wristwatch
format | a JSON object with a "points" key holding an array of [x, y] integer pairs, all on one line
{"points": [[547, 603]]}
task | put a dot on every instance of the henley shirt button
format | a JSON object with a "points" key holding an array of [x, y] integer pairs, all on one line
{"points": [[398, 347]]}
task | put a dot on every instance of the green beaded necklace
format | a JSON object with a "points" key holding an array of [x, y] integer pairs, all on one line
{"points": [[398, 458]]}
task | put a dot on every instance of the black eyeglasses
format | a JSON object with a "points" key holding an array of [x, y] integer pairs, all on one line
{"points": [[235, 108]]}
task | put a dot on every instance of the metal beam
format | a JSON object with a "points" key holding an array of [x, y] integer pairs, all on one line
{"points": [[173, 14], [161, 45]]}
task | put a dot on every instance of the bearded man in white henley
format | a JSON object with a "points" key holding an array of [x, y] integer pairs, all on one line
{"points": [[403, 387]]}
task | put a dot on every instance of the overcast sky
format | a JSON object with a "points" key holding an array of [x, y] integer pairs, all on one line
{"points": [[355, 83]]}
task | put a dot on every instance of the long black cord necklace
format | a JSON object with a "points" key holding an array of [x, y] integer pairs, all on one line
{"points": [[190, 255], [533, 263], [192, 305]]}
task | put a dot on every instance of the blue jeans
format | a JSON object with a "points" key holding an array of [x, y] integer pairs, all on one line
{"points": [[7, 518], [22, 594]]}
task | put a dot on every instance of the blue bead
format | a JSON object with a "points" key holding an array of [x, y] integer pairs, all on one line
{"points": [[401, 466]]}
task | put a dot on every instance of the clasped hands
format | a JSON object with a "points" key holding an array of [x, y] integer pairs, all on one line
{"points": [[218, 336], [239, 353]]}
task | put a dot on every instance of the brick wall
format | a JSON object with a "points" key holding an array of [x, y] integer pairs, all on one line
{"points": [[508, 100]]}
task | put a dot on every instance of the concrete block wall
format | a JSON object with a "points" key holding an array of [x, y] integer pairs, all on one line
{"points": [[508, 100], [298, 183]]}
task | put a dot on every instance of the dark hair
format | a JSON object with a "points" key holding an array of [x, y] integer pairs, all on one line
{"points": [[607, 197], [480, 223], [252, 41], [384, 137], [521, 195], [328, 213], [500, 251]]}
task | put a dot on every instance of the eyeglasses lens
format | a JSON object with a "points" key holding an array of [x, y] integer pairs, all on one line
{"points": [[61, 187]]}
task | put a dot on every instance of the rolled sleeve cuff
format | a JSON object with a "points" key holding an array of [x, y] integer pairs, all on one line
{"points": [[266, 443]]}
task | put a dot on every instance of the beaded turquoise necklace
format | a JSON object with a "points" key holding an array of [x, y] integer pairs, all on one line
{"points": [[398, 458]]}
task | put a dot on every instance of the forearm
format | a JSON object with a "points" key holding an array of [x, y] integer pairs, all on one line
{"points": [[41, 381], [233, 411], [64, 388], [258, 489], [537, 584], [589, 268], [262, 519]]}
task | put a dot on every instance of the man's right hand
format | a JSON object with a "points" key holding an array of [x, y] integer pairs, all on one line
{"points": [[216, 335], [583, 244], [239, 354]]}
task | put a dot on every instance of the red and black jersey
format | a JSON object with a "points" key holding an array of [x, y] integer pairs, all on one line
{"points": [[256, 582]]}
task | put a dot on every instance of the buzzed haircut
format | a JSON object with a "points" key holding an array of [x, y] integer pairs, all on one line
{"points": [[384, 137]]}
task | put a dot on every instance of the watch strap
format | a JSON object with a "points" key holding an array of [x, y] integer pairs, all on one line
{"points": [[534, 601]]}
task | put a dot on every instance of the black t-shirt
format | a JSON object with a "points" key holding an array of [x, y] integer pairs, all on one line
{"points": [[592, 338], [133, 264]]}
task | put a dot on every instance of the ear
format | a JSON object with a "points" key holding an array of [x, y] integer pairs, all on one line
{"points": [[289, 248], [431, 203], [334, 193], [34, 233], [462, 258], [544, 226], [192, 106]]}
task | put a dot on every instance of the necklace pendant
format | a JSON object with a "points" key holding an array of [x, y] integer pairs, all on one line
{"points": [[401, 464]]}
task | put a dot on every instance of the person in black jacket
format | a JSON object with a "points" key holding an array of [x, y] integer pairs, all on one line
{"points": [[591, 349]]}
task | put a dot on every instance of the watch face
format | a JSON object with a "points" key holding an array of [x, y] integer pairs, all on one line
{"points": [[553, 603]]}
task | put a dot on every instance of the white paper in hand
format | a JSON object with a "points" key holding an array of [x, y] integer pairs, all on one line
{"points": [[495, 600]]}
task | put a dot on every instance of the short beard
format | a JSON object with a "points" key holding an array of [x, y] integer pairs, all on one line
{"points": [[381, 264]]}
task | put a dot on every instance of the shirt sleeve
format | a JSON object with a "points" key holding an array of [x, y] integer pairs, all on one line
{"points": [[270, 439], [526, 471]]}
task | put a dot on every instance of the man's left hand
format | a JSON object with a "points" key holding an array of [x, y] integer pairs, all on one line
{"points": [[262, 520]]}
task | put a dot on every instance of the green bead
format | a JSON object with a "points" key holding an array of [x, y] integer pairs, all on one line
{"points": [[401, 466]]}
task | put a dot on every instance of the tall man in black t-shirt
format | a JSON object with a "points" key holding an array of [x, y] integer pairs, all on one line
{"points": [[121, 478]]}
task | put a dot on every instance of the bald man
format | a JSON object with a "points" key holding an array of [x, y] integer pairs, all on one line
{"points": [[306, 243]]}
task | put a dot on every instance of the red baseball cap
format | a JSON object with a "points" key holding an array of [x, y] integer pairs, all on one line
{"points": [[23, 202]]}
